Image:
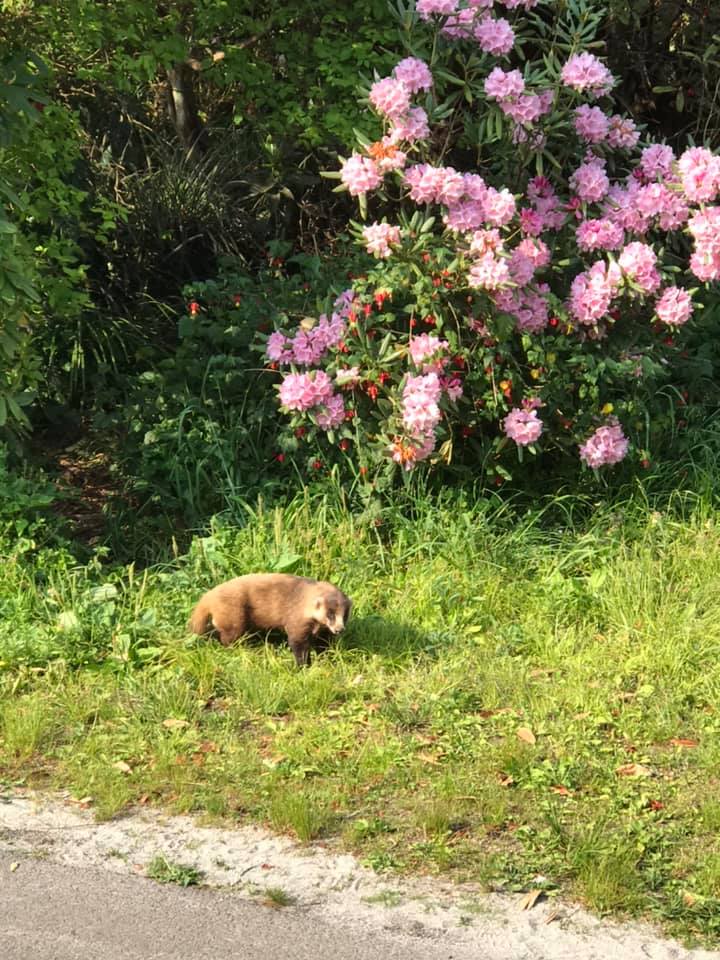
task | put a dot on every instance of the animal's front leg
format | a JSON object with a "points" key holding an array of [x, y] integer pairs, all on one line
{"points": [[300, 646]]}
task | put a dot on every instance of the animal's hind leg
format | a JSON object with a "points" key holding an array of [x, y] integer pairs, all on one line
{"points": [[228, 630]]}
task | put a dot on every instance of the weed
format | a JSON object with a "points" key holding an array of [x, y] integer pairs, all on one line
{"points": [[166, 871], [276, 897]]}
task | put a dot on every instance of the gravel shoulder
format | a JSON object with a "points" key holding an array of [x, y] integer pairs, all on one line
{"points": [[75, 888]]}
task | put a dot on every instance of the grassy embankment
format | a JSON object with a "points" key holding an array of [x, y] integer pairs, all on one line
{"points": [[512, 698]]}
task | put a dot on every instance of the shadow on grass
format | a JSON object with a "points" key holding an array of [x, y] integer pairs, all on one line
{"points": [[371, 635]]}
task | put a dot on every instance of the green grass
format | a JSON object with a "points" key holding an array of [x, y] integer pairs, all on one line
{"points": [[163, 870], [408, 741]]}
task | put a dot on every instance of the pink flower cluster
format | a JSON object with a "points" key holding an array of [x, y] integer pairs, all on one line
{"points": [[313, 392], [523, 426], [704, 227], [421, 412], [700, 175], [508, 88], [307, 347], [360, 174], [606, 446], [426, 352], [590, 181], [592, 292], [674, 307], [638, 263], [602, 234], [593, 125], [380, 238], [586, 74]]}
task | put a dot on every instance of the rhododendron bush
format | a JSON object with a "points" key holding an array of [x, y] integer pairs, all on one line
{"points": [[535, 257]]}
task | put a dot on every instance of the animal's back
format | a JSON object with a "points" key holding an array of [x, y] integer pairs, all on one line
{"points": [[266, 601]]}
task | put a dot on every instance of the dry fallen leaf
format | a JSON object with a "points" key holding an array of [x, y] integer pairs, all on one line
{"points": [[13, 866], [526, 735], [428, 758], [530, 899], [561, 791], [122, 766], [633, 770], [174, 723], [552, 916], [218, 55], [683, 742]]}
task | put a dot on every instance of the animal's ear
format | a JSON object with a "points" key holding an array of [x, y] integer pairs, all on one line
{"points": [[318, 602]]}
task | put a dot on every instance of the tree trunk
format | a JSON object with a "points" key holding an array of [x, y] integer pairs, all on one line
{"points": [[182, 104]]}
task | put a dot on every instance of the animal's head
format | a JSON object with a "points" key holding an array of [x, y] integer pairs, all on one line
{"points": [[332, 608]]}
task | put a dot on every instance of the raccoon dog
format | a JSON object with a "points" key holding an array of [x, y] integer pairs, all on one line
{"points": [[303, 608]]}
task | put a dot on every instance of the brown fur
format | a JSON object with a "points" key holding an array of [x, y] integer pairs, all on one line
{"points": [[272, 601]]}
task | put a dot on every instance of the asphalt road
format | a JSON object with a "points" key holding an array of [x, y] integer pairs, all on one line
{"points": [[50, 911]]}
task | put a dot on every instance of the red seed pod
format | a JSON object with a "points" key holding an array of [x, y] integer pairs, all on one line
{"points": [[553, 321], [349, 414], [317, 465], [194, 308], [280, 457], [344, 444], [300, 432]]}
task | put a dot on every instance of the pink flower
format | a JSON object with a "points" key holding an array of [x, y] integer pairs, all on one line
{"points": [[700, 174], [331, 412], [411, 128], [499, 206], [535, 250], [390, 97], [591, 124], [484, 241], [522, 426], [420, 403], [502, 86], [380, 237], [425, 182], [585, 73], [705, 228], [465, 216], [592, 292], [301, 391], [637, 261], [489, 272], [674, 307], [623, 134], [495, 36], [425, 346], [414, 74], [279, 348], [347, 377], [590, 181], [600, 234], [451, 186], [606, 446], [360, 174], [526, 109], [656, 161], [452, 387], [426, 8]]}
